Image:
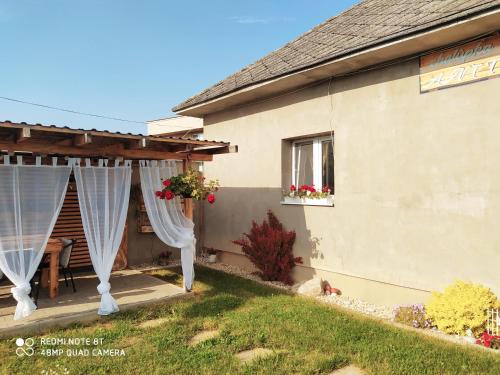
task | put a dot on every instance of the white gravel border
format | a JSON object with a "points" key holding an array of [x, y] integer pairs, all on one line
{"points": [[354, 304]]}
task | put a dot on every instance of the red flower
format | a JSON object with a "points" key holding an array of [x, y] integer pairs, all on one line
{"points": [[169, 195], [292, 188], [167, 183], [325, 189], [162, 195], [211, 198], [158, 193], [486, 339]]}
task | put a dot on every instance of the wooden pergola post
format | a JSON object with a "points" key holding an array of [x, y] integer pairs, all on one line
{"points": [[188, 202]]}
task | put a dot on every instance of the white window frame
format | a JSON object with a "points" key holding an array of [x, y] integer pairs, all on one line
{"points": [[317, 159]]}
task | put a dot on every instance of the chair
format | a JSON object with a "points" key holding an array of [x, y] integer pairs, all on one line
{"points": [[64, 258]]}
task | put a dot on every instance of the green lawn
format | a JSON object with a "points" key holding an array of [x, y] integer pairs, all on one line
{"points": [[308, 338]]}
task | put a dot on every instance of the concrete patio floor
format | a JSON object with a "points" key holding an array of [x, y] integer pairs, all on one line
{"points": [[130, 288]]}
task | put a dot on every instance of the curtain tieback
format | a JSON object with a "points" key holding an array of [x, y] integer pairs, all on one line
{"points": [[103, 288], [21, 292]]}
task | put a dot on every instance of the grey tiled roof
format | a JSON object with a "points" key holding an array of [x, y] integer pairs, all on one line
{"points": [[366, 24]]}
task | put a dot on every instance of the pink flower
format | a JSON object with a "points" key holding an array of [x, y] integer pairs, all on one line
{"points": [[211, 198]]}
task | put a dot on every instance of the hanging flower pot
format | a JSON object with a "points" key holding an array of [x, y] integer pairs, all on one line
{"points": [[189, 185]]}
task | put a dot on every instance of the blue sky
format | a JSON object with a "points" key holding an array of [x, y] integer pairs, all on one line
{"points": [[135, 59]]}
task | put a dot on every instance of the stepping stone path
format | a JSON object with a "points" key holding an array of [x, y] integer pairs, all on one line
{"points": [[152, 323], [348, 370], [249, 355], [203, 336]]}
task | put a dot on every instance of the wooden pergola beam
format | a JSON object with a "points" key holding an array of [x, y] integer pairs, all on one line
{"points": [[23, 135], [105, 134], [222, 150], [210, 151], [138, 144], [82, 139], [111, 151], [52, 140]]}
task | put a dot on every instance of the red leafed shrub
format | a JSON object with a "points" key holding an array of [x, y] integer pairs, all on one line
{"points": [[269, 248]]}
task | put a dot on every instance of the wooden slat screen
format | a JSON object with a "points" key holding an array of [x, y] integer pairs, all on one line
{"points": [[69, 225]]}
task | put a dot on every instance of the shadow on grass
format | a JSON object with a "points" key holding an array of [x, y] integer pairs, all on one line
{"points": [[216, 295], [213, 306], [210, 282]]}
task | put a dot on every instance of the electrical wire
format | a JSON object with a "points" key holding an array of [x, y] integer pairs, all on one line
{"points": [[72, 111], [83, 113]]}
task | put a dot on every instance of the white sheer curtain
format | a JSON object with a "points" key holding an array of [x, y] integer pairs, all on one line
{"points": [[166, 217], [31, 197], [103, 194]]}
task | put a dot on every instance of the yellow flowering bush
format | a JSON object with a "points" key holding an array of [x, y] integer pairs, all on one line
{"points": [[460, 307]]}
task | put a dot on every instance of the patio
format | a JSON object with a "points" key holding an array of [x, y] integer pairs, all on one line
{"points": [[130, 289]]}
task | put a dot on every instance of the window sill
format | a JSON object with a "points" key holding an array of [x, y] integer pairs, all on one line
{"points": [[325, 202]]}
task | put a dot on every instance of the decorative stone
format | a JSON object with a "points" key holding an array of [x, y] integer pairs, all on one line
{"points": [[250, 355], [310, 288], [203, 336], [348, 370], [152, 323]]}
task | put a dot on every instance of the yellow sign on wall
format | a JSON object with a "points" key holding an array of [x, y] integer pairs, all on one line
{"points": [[470, 62]]}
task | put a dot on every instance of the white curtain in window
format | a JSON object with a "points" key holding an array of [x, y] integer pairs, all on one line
{"points": [[166, 217], [31, 197], [103, 194]]}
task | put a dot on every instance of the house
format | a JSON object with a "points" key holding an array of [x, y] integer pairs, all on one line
{"points": [[395, 106], [177, 126]]}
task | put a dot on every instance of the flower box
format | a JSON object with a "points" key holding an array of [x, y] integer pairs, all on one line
{"points": [[328, 201]]}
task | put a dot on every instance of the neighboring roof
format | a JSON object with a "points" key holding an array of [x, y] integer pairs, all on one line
{"points": [[53, 139], [365, 25], [176, 124], [182, 134], [165, 118]]}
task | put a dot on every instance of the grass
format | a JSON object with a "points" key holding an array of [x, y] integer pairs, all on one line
{"points": [[307, 338]]}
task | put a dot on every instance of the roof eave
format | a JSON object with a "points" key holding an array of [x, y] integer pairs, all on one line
{"points": [[415, 44]]}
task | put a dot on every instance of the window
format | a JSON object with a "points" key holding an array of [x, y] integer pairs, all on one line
{"points": [[312, 163]]}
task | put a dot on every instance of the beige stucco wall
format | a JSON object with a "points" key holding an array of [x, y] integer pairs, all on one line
{"points": [[417, 201]]}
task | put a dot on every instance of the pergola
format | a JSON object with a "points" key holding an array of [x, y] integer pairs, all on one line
{"points": [[156, 154], [63, 141]]}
